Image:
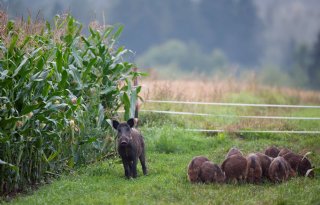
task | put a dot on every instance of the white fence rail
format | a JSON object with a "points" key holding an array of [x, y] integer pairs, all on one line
{"points": [[239, 116], [232, 116], [233, 104]]}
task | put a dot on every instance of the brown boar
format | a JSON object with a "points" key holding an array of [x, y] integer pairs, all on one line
{"points": [[131, 147], [279, 170], [272, 151], [211, 173], [265, 162], [194, 168], [235, 168], [234, 151], [298, 163], [254, 170], [284, 151]]}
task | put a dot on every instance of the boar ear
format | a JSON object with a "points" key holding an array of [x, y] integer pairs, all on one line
{"points": [[115, 124], [131, 122]]}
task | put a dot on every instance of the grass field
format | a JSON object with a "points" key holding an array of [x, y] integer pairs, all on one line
{"points": [[170, 149]]}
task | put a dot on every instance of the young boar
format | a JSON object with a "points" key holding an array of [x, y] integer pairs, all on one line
{"points": [[211, 173], [194, 168], [284, 151], [254, 172], [235, 168], [233, 151], [130, 147], [298, 163], [279, 170], [265, 162], [272, 151]]}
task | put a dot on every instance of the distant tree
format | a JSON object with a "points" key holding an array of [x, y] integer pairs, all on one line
{"points": [[231, 26], [234, 27], [299, 64], [314, 68]]}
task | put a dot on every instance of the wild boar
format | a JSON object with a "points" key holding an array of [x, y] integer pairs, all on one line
{"points": [[233, 151], [194, 168], [235, 168], [265, 162], [211, 173], [254, 170], [284, 151], [298, 163], [272, 151], [131, 147], [279, 170]]}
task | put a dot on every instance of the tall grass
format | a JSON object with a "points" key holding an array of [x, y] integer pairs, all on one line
{"points": [[57, 88], [230, 91], [222, 90]]}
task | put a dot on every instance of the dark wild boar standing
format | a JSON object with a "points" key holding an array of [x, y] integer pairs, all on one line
{"points": [[265, 162], [284, 151], [279, 170], [235, 168], [130, 147], [234, 151], [211, 173], [254, 172], [272, 151], [299, 164], [194, 168]]}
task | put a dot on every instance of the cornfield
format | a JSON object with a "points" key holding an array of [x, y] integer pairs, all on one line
{"points": [[58, 87]]}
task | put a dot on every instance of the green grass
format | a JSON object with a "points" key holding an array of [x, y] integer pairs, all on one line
{"points": [[169, 150]]}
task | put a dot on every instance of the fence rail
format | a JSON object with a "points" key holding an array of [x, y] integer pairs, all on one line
{"points": [[233, 104], [258, 131], [240, 116], [232, 116]]}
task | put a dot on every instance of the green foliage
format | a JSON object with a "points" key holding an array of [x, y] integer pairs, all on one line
{"points": [[273, 75], [57, 88], [175, 54], [314, 67]]}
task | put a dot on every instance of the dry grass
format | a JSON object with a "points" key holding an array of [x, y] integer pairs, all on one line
{"points": [[219, 91], [235, 92]]}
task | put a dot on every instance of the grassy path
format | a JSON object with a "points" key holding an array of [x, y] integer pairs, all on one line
{"points": [[169, 152]]}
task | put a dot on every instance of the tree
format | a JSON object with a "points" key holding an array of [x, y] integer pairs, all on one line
{"points": [[231, 26], [234, 27], [314, 68]]}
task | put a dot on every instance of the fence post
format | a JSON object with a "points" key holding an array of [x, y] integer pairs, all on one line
{"points": [[136, 112]]}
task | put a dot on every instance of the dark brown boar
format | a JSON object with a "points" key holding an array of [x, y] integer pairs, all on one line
{"points": [[272, 151], [235, 168], [211, 173], [265, 162], [194, 168], [234, 151], [284, 151], [298, 163], [279, 170], [254, 170], [131, 147]]}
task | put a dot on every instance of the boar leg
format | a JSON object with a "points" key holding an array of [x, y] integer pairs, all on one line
{"points": [[126, 167], [143, 163], [134, 168]]}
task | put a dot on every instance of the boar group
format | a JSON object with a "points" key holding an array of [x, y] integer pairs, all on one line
{"points": [[276, 165]]}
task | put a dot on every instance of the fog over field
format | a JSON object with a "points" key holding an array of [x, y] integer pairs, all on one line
{"points": [[275, 39]]}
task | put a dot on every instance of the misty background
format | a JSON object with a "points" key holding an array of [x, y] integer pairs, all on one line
{"points": [[278, 41]]}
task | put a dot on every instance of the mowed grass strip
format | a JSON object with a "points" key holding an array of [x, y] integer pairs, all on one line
{"points": [[169, 150]]}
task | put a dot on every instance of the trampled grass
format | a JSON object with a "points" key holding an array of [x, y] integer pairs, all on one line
{"points": [[169, 150]]}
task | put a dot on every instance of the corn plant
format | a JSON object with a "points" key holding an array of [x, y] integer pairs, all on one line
{"points": [[57, 88]]}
